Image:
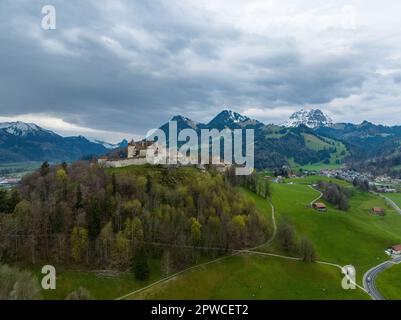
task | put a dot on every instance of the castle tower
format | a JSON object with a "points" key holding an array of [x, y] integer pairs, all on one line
{"points": [[131, 149]]}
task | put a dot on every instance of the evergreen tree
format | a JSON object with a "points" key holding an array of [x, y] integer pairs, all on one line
{"points": [[44, 169], [140, 266], [3, 200], [13, 200], [114, 184]]}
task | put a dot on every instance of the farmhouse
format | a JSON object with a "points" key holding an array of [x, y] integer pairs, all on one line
{"points": [[319, 206], [396, 249], [378, 211]]}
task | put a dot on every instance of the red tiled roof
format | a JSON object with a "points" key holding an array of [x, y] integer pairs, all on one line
{"points": [[397, 247]]}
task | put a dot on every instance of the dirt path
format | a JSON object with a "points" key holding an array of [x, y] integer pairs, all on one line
{"points": [[318, 198]]}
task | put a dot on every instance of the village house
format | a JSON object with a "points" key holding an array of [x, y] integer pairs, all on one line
{"points": [[396, 249], [319, 206], [377, 210]]}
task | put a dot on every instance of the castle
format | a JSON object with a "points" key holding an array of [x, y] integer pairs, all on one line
{"points": [[149, 152], [136, 154]]}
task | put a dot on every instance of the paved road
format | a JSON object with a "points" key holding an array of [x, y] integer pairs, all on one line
{"points": [[370, 277]]}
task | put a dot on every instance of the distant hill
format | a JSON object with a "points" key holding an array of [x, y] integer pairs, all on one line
{"points": [[365, 140], [20, 141]]}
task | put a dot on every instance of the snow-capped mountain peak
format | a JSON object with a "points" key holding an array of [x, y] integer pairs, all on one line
{"points": [[228, 117], [23, 129], [108, 145], [234, 116], [232, 120], [312, 118], [184, 122]]}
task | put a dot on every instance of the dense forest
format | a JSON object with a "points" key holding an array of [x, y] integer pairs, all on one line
{"points": [[86, 215]]}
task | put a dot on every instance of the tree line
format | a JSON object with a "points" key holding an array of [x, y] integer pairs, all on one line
{"points": [[84, 214], [335, 194]]}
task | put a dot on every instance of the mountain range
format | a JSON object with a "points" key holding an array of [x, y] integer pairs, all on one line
{"points": [[20, 141], [307, 137]]}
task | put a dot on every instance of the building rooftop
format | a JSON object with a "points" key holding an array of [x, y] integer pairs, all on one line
{"points": [[397, 247], [377, 210]]}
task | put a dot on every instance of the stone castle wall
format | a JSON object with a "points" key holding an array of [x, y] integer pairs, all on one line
{"points": [[123, 162]]}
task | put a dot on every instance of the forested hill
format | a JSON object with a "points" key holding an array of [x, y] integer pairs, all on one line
{"points": [[85, 214]]}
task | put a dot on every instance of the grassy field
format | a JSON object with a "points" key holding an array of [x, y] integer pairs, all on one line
{"points": [[19, 169], [255, 277], [314, 143], [100, 287], [396, 197], [314, 179], [355, 237], [319, 143], [389, 283], [318, 167]]}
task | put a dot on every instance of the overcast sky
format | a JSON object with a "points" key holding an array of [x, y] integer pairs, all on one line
{"points": [[116, 69]]}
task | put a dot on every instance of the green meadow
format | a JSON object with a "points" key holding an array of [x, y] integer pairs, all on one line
{"points": [[100, 286], [389, 283], [19, 169], [354, 237], [252, 277], [396, 197]]}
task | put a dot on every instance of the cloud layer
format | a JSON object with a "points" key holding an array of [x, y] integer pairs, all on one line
{"points": [[123, 67]]}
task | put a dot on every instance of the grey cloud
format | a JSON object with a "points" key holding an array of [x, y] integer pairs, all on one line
{"points": [[130, 65]]}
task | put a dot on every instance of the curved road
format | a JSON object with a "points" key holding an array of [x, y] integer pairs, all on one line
{"points": [[370, 277]]}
